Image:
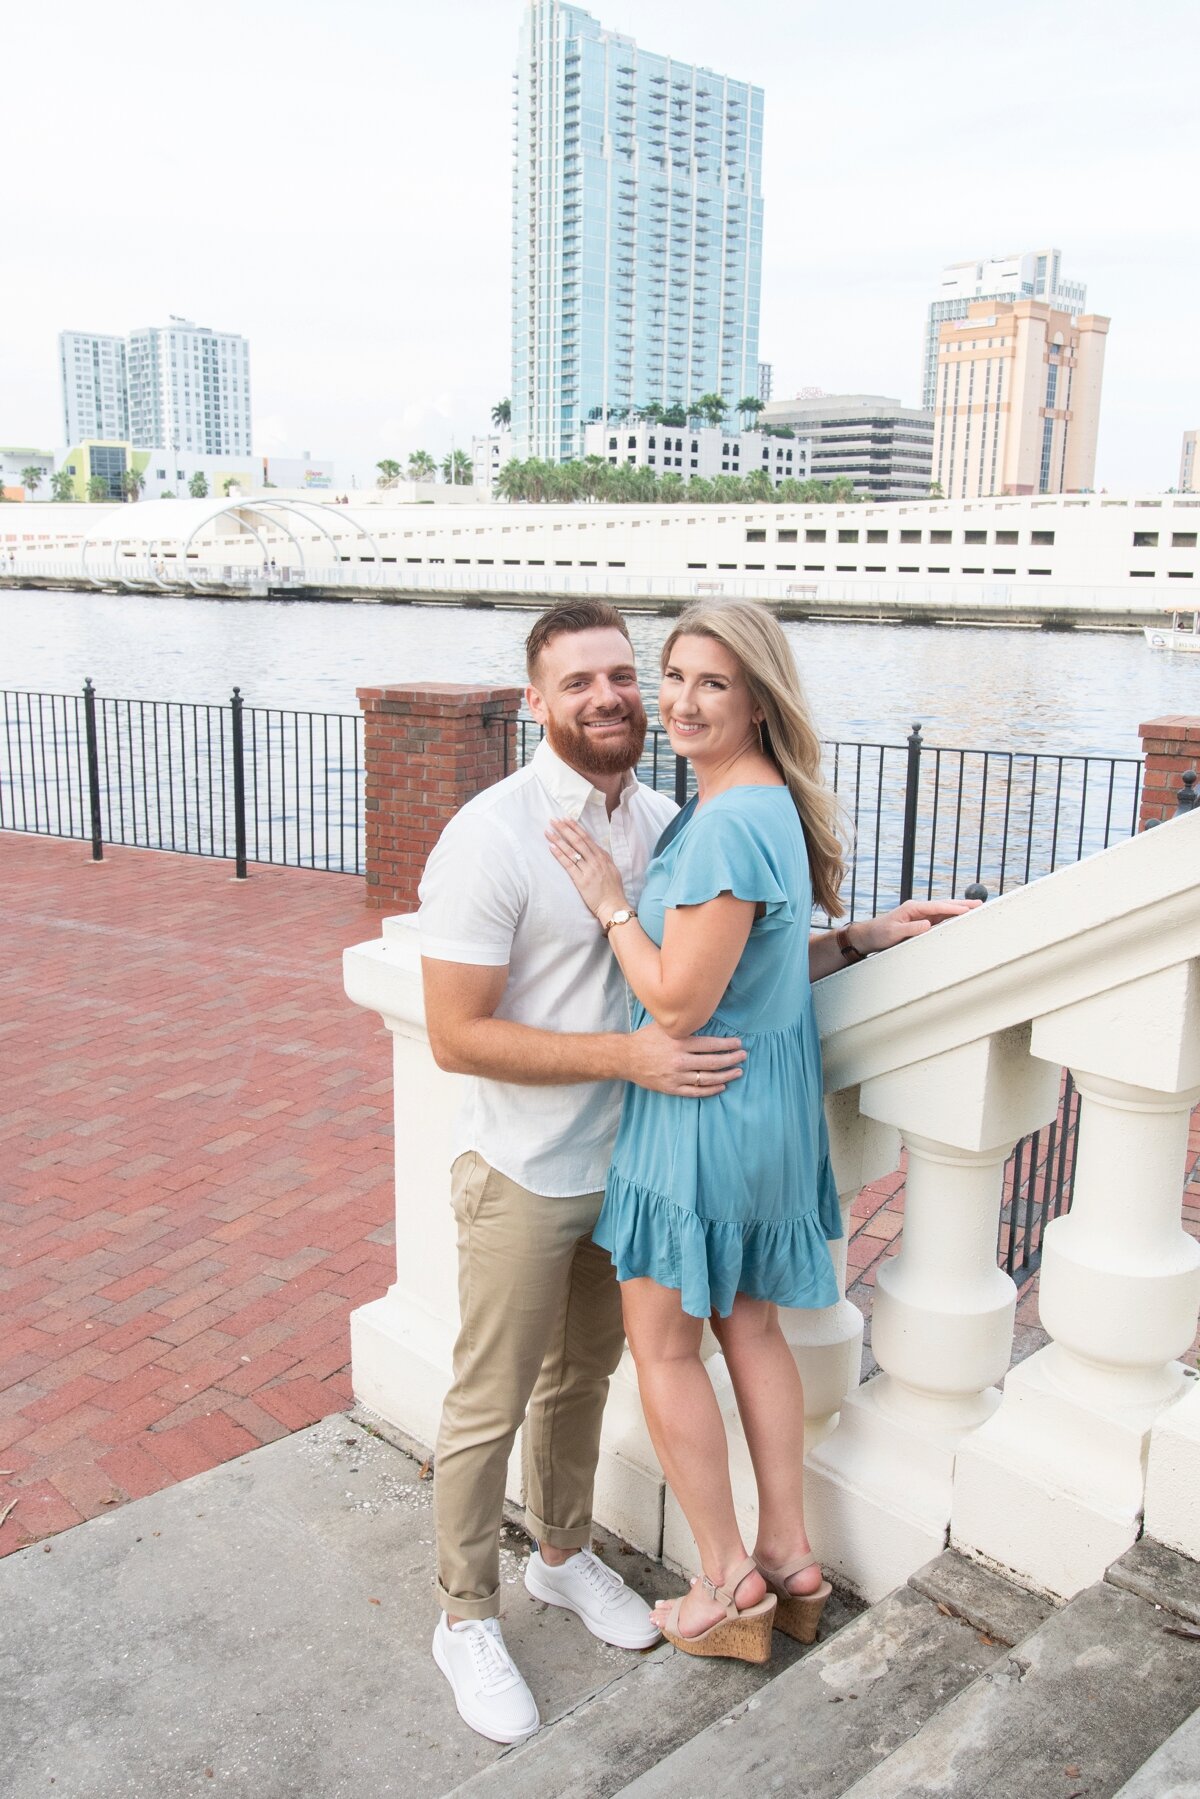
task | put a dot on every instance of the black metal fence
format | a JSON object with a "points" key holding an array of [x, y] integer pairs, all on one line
{"points": [[928, 820], [269, 784], [251, 783]]}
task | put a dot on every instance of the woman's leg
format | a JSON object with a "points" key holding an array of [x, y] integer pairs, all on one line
{"points": [[770, 1399], [688, 1433]]}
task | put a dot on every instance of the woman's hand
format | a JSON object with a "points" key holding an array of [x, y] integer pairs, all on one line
{"points": [[592, 869], [912, 919]]}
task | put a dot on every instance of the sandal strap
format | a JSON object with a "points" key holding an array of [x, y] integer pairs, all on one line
{"points": [[779, 1575], [733, 1580]]}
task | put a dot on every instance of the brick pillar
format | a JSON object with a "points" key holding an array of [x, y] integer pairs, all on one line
{"points": [[428, 749], [1170, 745]]}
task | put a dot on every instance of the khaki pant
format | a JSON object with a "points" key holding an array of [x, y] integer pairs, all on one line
{"points": [[541, 1327]]}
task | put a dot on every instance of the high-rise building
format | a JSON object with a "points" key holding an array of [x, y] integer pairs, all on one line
{"points": [[189, 388], [1189, 463], [1027, 275], [637, 230], [766, 375], [1018, 400], [885, 448], [95, 394]]}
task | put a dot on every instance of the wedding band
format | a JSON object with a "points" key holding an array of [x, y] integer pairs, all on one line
{"points": [[697, 1080]]}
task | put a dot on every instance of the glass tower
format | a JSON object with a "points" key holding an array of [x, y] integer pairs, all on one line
{"points": [[637, 231]]}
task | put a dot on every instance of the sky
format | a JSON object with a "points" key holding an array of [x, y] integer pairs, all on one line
{"points": [[333, 181]]}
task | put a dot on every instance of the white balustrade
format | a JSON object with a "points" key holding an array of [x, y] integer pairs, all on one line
{"points": [[955, 1041]]}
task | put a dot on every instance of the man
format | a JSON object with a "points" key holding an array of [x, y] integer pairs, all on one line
{"points": [[523, 996]]}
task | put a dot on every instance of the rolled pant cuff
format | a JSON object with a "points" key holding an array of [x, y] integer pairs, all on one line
{"points": [[578, 1538], [468, 1608]]}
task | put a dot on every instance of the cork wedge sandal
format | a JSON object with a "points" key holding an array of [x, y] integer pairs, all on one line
{"points": [[796, 1614], [741, 1636]]}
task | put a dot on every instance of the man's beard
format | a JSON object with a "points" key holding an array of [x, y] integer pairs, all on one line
{"points": [[604, 756]]}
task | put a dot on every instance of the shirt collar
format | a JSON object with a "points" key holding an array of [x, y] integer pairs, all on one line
{"points": [[570, 790]]}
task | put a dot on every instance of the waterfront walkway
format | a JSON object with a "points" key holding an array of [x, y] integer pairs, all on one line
{"points": [[196, 1171]]}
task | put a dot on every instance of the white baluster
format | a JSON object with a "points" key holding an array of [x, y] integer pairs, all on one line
{"points": [[880, 1487], [1054, 1485]]}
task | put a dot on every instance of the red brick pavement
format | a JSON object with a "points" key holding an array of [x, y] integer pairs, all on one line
{"points": [[196, 1170]]}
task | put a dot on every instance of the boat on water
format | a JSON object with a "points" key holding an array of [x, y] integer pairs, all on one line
{"points": [[1183, 633]]}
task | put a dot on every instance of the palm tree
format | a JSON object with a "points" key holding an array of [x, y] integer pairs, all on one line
{"points": [[510, 481], [502, 414], [671, 489], [133, 482], [750, 408], [62, 486], [935, 490], [651, 413], [699, 491], [31, 479], [456, 469], [198, 485], [711, 408], [97, 488], [841, 490], [758, 486], [676, 417], [389, 471], [593, 477], [421, 466]]}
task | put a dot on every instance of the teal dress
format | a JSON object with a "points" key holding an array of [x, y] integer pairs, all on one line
{"points": [[734, 1193]]}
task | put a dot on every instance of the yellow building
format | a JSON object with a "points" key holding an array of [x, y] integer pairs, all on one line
{"points": [[1017, 406], [103, 459]]}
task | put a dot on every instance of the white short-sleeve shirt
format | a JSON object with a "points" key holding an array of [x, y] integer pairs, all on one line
{"points": [[493, 895]]}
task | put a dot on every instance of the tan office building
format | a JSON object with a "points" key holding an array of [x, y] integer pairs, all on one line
{"points": [[1018, 400]]}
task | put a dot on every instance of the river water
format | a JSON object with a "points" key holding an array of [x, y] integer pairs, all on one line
{"points": [[970, 687]]}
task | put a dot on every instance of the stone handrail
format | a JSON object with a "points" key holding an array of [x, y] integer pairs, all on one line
{"points": [[954, 1043]]}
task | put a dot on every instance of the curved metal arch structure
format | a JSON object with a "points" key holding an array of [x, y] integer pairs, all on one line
{"points": [[240, 507], [311, 512], [269, 512]]}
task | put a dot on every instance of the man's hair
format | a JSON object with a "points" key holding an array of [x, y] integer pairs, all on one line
{"points": [[570, 615]]}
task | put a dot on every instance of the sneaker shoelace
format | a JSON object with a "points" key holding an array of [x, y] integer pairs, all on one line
{"points": [[494, 1667], [605, 1582]]}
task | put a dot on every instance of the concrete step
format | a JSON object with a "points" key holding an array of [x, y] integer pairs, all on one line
{"points": [[856, 1696], [1173, 1771], [594, 1748], [1077, 1708]]}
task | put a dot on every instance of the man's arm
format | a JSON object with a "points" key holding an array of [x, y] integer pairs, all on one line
{"points": [[466, 1038]]}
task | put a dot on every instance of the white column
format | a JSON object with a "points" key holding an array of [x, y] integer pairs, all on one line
{"points": [[880, 1487], [1173, 1473], [1054, 1485]]}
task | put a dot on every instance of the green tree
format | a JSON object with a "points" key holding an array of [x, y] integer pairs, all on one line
{"points": [[676, 417], [699, 491], [168, 493], [133, 482], [510, 481], [651, 413], [229, 482], [502, 414], [421, 466], [593, 477], [456, 469], [778, 431], [936, 491], [750, 408], [671, 489], [31, 479], [198, 485], [97, 488], [759, 487], [389, 471], [711, 408]]}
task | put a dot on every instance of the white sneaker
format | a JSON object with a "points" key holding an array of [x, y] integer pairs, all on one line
{"points": [[597, 1594], [489, 1691]]}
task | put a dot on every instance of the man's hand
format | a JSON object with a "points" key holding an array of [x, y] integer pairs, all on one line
{"points": [[694, 1067]]}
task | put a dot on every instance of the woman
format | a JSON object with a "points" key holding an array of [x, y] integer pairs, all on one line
{"points": [[723, 1210]]}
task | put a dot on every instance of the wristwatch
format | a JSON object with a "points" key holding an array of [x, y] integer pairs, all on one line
{"points": [[621, 916]]}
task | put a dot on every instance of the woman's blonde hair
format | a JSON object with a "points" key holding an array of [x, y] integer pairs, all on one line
{"points": [[789, 737]]}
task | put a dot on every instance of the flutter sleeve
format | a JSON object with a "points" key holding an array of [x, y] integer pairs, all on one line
{"points": [[724, 851]]}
